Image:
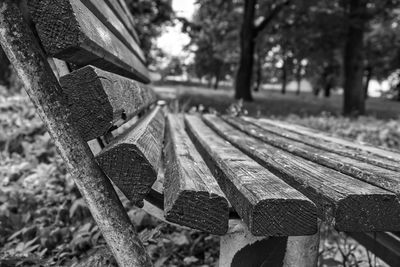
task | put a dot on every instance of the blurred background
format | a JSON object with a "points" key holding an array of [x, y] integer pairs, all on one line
{"points": [[332, 65]]}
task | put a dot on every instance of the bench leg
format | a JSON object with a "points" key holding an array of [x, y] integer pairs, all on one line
{"points": [[240, 248]]}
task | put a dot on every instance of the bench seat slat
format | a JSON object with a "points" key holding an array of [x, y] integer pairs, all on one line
{"points": [[98, 98], [375, 175], [348, 203], [102, 11], [69, 31], [192, 196], [377, 156], [132, 160], [266, 204]]}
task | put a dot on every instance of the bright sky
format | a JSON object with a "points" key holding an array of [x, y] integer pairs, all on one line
{"points": [[173, 40]]}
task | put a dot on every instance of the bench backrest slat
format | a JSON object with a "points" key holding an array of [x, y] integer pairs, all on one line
{"points": [[132, 160], [98, 98], [121, 10], [110, 19], [70, 31]]}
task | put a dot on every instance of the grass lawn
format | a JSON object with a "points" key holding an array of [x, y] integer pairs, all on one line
{"points": [[273, 103]]}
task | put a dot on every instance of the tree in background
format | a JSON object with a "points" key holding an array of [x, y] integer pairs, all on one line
{"points": [[150, 16], [252, 25], [213, 32]]}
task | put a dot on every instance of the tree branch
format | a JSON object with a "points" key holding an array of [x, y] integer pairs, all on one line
{"points": [[274, 12]]}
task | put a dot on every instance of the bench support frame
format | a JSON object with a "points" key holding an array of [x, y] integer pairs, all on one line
{"points": [[43, 88]]}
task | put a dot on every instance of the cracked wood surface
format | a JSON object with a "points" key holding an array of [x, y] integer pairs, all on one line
{"points": [[192, 195], [381, 177], [346, 202], [98, 99], [269, 206], [69, 31], [132, 159]]}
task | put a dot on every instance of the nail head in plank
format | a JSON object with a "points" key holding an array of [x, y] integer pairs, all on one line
{"points": [[132, 160], [348, 203], [69, 31], [265, 203], [98, 99], [192, 195]]}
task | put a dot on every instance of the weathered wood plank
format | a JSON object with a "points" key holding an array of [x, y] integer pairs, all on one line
{"points": [[123, 14], [329, 145], [132, 160], [102, 11], [70, 31], [362, 151], [346, 202], [98, 99], [192, 195], [375, 175], [265, 203]]}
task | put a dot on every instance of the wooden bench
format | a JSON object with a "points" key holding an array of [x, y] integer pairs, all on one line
{"points": [[237, 177]]}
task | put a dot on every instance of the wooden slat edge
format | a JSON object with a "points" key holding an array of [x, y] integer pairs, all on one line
{"points": [[132, 160], [70, 31], [192, 196], [98, 99]]}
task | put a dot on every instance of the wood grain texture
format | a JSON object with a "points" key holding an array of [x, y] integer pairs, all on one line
{"points": [[372, 174], [266, 204], [70, 31], [124, 15], [347, 203], [132, 160], [98, 99], [366, 153], [102, 11], [192, 195]]}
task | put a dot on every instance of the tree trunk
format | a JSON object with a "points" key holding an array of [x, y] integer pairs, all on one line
{"points": [[216, 82], [284, 77], [368, 77], [354, 100], [217, 76], [258, 70], [327, 88], [298, 78], [247, 45]]}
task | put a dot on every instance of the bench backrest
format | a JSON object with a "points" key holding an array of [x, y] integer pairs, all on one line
{"points": [[107, 86]]}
